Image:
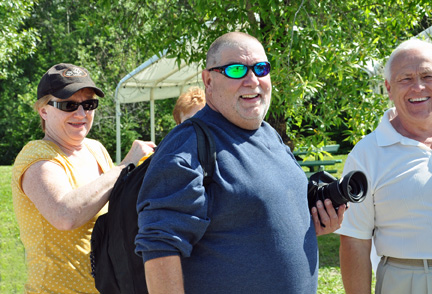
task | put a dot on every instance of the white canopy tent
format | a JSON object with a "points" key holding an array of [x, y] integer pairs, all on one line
{"points": [[426, 34], [156, 79]]}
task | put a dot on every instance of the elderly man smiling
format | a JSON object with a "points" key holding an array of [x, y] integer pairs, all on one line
{"points": [[397, 213]]}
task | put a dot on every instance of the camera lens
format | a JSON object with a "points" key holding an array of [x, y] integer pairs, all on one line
{"points": [[350, 188], [354, 186]]}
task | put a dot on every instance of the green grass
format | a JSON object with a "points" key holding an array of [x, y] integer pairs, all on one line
{"points": [[329, 277], [12, 264]]}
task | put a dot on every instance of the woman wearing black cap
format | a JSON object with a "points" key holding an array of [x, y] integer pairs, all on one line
{"points": [[61, 184]]}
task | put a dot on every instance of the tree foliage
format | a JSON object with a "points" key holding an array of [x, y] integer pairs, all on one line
{"points": [[82, 33], [320, 51], [16, 42]]}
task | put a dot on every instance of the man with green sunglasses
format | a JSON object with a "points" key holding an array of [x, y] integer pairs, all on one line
{"points": [[250, 231], [239, 71]]}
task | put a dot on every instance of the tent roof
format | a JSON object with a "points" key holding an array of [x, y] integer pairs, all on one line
{"points": [[158, 78]]}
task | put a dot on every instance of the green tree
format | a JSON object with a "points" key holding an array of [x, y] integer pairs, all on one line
{"points": [[319, 51], [16, 42], [79, 32]]}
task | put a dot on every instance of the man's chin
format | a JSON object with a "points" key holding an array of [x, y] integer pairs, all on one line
{"points": [[250, 123], [257, 113]]}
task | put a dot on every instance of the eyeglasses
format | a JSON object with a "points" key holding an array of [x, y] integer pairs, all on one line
{"points": [[70, 106], [239, 71]]}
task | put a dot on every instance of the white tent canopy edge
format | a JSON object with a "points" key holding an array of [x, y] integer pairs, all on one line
{"points": [[156, 79]]}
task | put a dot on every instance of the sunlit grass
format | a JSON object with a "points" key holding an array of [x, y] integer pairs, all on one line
{"points": [[12, 264]]}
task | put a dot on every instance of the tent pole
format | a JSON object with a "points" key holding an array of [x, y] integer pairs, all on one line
{"points": [[152, 117], [118, 137]]}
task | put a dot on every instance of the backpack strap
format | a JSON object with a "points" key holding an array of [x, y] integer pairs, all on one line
{"points": [[206, 149]]}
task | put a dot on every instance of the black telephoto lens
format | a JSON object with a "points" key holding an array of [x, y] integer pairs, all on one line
{"points": [[350, 188]]}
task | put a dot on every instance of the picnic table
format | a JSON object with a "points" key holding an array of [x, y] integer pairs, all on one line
{"points": [[327, 148], [317, 164]]}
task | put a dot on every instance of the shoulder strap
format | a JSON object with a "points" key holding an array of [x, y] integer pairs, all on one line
{"points": [[206, 149]]}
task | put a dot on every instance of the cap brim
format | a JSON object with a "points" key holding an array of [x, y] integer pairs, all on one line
{"points": [[71, 89]]}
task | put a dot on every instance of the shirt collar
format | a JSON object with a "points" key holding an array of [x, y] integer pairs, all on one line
{"points": [[387, 135]]}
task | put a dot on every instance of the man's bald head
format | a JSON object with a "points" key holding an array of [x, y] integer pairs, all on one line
{"points": [[226, 40]]}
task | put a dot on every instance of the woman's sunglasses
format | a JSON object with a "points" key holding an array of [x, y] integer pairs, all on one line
{"points": [[70, 106], [239, 71]]}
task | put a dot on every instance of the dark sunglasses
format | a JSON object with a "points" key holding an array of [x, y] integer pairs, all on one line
{"points": [[70, 106], [238, 70]]}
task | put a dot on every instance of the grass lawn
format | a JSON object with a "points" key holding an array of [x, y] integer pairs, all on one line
{"points": [[329, 278], [12, 265]]}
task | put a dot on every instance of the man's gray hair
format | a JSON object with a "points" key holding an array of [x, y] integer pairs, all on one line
{"points": [[404, 46]]}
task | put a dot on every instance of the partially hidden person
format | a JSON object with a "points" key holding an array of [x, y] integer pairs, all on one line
{"points": [[188, 103]]}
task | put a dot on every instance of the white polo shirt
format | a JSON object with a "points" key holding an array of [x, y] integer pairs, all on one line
{"points": [[397, 211]]}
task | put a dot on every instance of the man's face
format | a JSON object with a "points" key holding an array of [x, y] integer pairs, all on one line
{"points": [[410, 86], [244, 102]]}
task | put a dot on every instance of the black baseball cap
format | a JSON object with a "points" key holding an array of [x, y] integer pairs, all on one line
{"points": [[64, 79]]}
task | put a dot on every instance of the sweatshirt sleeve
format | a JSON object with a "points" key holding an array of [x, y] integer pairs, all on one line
{"points": [[172, 204]]}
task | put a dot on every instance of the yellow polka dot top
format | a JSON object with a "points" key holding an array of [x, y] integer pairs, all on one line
{"points": [[57, 261]]}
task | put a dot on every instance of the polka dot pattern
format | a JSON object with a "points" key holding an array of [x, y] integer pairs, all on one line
{"points": [[57, 261]]}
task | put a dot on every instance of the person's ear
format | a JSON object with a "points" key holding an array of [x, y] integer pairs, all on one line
{"points": [[43, 112], [207, 80], [388, 87]]}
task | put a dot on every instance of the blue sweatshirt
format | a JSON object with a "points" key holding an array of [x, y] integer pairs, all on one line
{"points": [[251, 233]]}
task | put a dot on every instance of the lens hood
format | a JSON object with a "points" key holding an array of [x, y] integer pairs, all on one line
{"points": [[354, 186]]}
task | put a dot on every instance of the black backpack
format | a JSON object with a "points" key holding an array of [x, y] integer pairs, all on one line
{"points": [[115, 266]]}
